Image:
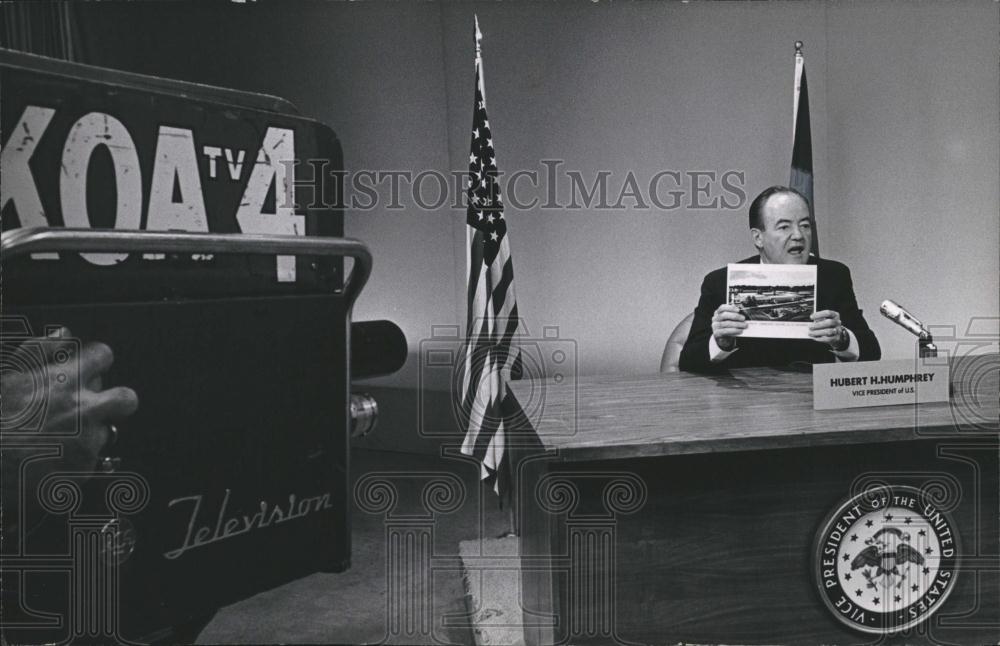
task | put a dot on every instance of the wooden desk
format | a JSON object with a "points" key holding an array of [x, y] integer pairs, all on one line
{"points": [[682, 508]]}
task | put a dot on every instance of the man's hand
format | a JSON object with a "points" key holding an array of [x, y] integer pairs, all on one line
{"points": [[75, 404], [727, 324], [70, 405], [826, 328]]}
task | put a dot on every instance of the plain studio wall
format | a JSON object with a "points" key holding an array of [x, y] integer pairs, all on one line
{"points": [[904, 106]]}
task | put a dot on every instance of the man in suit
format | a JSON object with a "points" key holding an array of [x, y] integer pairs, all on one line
{"points": [[781, 231]]}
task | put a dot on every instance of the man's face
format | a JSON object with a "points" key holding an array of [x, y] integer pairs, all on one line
{"points": [[787, 234]]}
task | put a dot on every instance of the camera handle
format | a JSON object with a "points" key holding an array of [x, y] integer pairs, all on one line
{"points": [[18, 242]]}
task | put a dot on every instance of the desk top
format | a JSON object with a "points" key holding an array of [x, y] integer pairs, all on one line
{"points": [[614, 417]]}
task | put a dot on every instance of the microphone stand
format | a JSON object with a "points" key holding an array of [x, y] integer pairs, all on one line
{"points": [[926, 345]]}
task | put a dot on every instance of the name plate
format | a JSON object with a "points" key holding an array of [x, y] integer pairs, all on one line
{"points": [[879, 383]]}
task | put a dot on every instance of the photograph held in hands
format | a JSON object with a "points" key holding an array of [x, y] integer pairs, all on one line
{"points": [[776, 300]]}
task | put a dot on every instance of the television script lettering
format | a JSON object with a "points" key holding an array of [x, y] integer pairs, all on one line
{"points": [[226, 528]]}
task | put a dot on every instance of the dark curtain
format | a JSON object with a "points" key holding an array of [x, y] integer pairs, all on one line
{"points": [[45, 28]]}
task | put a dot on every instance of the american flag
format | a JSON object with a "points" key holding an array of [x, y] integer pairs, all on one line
{"points": [[491, 356]]}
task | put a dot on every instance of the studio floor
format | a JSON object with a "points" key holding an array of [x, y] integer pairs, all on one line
{"points": [[382, 598]]}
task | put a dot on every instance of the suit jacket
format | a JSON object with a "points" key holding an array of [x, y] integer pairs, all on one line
{"points": [[835, 291]]}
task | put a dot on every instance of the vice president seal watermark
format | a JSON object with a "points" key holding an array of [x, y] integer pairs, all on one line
{"points": [[886, 559]]}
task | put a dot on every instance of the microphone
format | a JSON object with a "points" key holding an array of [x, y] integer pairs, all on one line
{"points": [[895, 313]]}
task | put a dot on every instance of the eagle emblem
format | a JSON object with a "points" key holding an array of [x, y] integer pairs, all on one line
{"points": [[889, 552]]}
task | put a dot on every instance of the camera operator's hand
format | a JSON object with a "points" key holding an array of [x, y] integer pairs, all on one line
{"points": [[75, 410]]}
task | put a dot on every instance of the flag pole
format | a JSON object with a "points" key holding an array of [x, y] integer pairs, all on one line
{"points": [[479, 60], [477, 36], [469, 236], [511, 521], [799, 63]]}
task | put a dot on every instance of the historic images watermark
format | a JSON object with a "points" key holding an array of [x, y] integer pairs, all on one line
{"points": [[548, 370], [417, 510], [550, 187], [972, 352], [37, 370]]}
